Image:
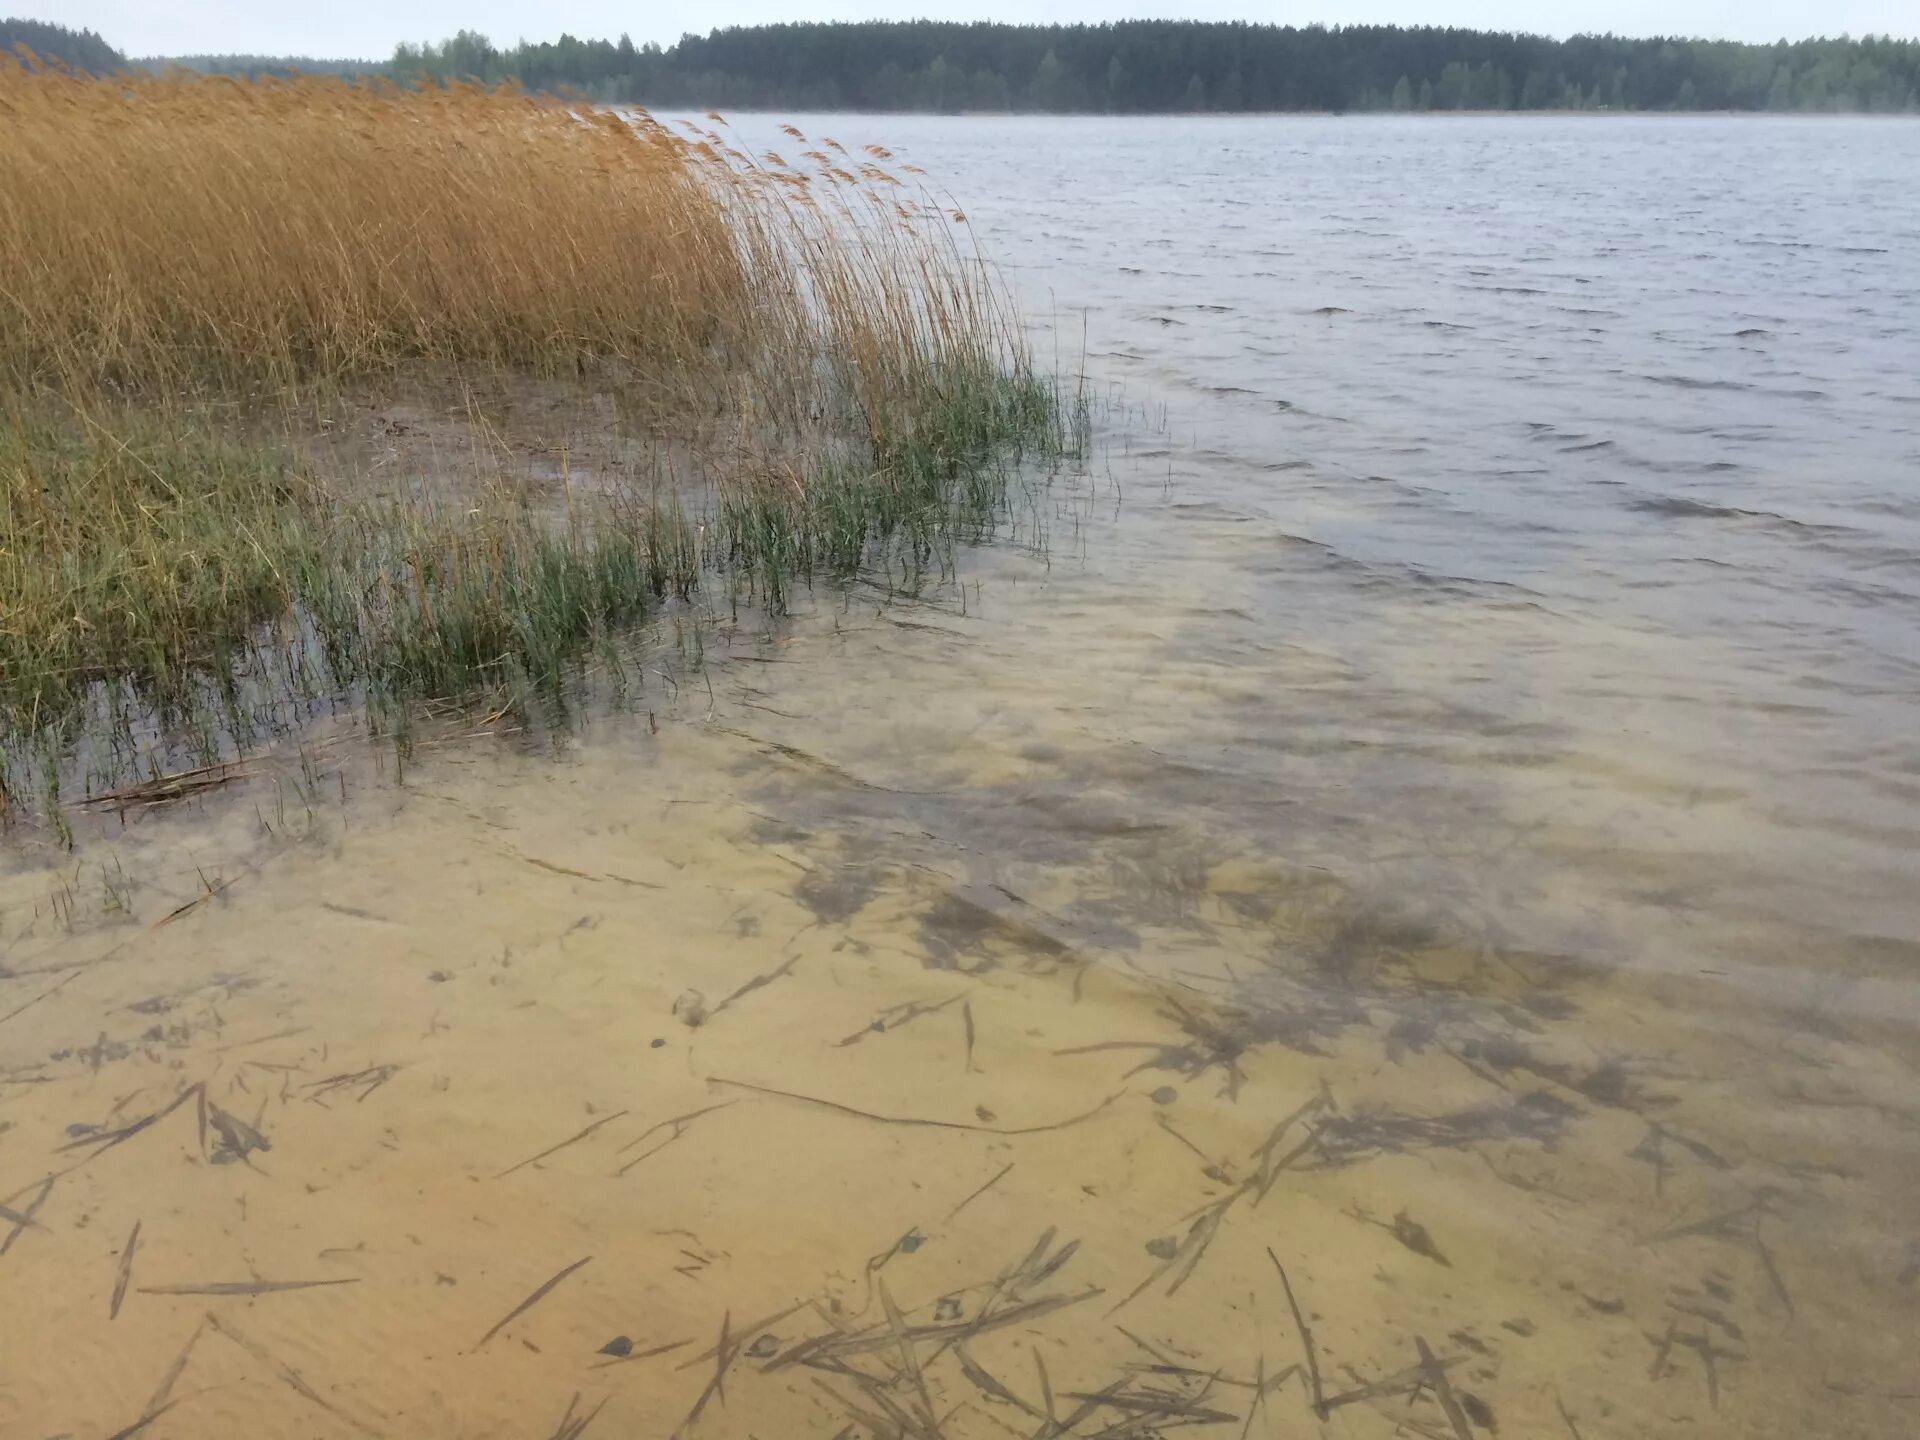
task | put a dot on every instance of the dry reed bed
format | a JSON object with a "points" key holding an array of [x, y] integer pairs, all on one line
{"points": [[193, 269]]}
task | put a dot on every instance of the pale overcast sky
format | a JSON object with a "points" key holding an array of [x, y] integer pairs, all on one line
{"points": [[369, 28]]}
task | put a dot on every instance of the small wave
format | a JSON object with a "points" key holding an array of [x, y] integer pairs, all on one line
{"points": [[1821, 536], [1689, 382], [1753, 332], [1887, 505], [1331, 310], [1696, 509], [1691, 467]]}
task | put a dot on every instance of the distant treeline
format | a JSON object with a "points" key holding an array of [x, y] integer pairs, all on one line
{"points": [[1152, 66], [1155, 66], [82, 49], [254, 66]]}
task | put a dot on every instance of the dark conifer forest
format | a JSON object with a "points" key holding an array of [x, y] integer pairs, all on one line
{"points": [[1130, 67]]}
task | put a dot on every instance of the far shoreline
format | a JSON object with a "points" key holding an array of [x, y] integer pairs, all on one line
{"points": [[784, 114]]}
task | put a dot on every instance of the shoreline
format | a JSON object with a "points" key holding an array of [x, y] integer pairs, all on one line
{"points": [[797, 114]]}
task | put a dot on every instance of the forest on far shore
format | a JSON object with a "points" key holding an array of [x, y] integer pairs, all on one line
{"points": [[1129, 67]]}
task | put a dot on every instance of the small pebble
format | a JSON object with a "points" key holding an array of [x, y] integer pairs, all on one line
{"points": [[1165, 1095], [691, 1009]]}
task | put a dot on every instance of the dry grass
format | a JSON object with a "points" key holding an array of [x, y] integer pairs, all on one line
{"points": [[193, 269], [178, 234]]}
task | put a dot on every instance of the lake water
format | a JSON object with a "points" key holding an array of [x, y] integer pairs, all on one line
{"points": [[1411, 862]]}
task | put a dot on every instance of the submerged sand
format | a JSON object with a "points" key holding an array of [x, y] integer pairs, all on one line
{"points": [[398, 1132]]}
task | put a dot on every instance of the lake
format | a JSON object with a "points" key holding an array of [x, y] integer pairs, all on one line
{"points": [[1390, 904]]}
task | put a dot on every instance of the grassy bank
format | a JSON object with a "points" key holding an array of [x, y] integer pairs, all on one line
{"points": [[198, 278]]}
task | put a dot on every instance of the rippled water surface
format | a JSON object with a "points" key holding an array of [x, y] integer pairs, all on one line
{"points": [[1386, 907]]}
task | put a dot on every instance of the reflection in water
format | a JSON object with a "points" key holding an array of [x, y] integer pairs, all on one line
{"points": [[1362, 932]]}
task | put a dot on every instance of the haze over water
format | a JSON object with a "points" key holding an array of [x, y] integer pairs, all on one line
{"points": [[1435, 809]]}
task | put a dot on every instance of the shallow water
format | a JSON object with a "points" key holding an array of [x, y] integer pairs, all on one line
{"points": [[1435, 813]]}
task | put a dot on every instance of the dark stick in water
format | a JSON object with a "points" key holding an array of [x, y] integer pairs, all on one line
{"points": [[571, 1428], [860, 1114], [532, 1300], [125, 1273], [743, 1336], [1662, 1351], [986, 1383], [893, 1018], [1773, 1271], [677, 1124], [162, 1396], [1702, 1345], [1306, 1337], [23, 1218], [292, 1377], [570, 1140], [1436, 1377], [723, 1356], [145, 1420], [244, 1287], [759, 982], [978, 1193]]}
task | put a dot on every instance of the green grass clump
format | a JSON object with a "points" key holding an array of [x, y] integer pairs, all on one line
{"points": [[129, 548], [940, 476], [441, 601], [159, 579]]}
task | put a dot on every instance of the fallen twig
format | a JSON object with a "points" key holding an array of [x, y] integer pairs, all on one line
{"points": [[572, 1427], [534, 1299], [570, 1140], [53, 989], [292, 1377], [124, 1274], [758, 982], [981, 1191], [164, 788], [244, 1287], [1306, 1338], [916, 1120], [23, 1218], [1436, 1378], [677, 1124]]}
